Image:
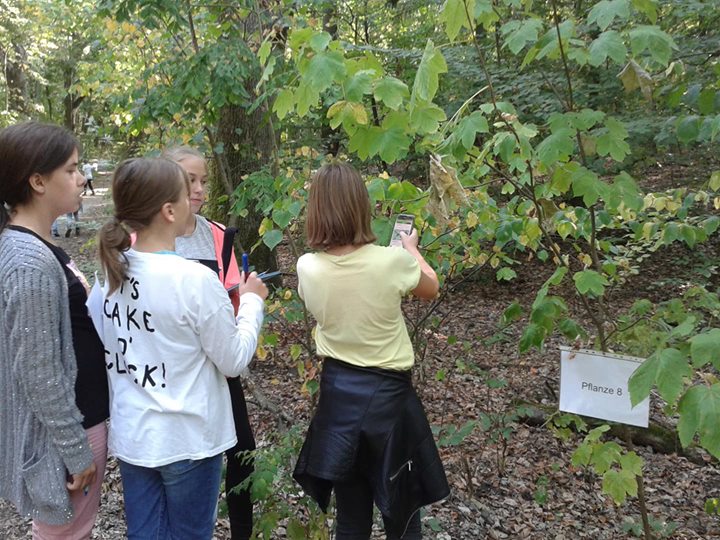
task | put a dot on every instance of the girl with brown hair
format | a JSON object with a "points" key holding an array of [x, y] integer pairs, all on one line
{"points": [[369, 439], [53, 387], [171, 339]]}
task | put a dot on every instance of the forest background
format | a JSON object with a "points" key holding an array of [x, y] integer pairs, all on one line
{"points": [[560, 159]]}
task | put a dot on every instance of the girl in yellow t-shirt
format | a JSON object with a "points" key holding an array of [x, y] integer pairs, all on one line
{"points": [[369, 439]]}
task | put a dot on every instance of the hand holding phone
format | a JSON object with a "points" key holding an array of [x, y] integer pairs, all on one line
{"points": [[403, 223], [255, 285]]}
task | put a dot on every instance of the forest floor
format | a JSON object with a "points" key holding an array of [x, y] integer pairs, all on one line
{"points": [[513, 479]]}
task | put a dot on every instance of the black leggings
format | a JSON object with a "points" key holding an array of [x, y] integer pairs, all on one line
{"points": [[240, 507], [354, 502]]}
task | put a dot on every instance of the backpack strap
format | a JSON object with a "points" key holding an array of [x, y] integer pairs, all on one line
{"points": [[223, 239]]}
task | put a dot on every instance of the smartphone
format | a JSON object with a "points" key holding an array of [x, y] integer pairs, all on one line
{"points": [[403, 223]]}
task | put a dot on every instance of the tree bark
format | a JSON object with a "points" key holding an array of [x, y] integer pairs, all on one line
{"points": [[15, 78], [249, 144]]}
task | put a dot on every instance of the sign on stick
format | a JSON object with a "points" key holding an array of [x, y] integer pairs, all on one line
{"points": [[594, 383]]}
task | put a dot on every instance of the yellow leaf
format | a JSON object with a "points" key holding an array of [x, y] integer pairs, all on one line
{"points": [[177, 117], [472, 219], [660, 203], [647, 230], [261, 352], [672, 205], [648, 201], [585, 259], [265, 226], [523, 239], [287, 295], [716, 202], [384, 175], [494, 262], [274, 381]]}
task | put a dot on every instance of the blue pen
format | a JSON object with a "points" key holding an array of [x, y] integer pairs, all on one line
{"points": [[245, 265]]}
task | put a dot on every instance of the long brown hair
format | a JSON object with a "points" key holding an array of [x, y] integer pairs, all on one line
{"points": [[140, 188], [26, 149], [338, 210]]}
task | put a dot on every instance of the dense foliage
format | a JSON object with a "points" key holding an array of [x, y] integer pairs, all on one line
{"points": [[514, 130]]}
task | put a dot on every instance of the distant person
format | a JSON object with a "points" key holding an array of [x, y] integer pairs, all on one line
{"points": [[53, 385], [369, 439], [87, 171], [211, 244], [172, 340]]}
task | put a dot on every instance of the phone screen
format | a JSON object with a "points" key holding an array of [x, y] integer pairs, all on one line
{"points": [[403, 223]]}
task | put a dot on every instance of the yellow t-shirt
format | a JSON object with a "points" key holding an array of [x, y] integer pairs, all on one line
{"points": [[355, 299]]}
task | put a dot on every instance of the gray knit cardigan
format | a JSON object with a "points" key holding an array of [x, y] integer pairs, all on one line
{"points": [[41, 433]]}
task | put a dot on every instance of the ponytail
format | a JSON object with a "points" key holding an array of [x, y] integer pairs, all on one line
{"points": [[140, 187], [113, 240]]}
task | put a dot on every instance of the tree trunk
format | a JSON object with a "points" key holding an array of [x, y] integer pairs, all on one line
{"points": [[249, 143], [15, 78]]}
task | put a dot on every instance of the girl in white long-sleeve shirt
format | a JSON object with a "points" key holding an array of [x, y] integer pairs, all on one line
{"points": [[171, 339]]}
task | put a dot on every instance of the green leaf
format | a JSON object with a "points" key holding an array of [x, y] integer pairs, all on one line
{"points": [[655, 41], [505, 274], [295, 351], [607, 45], [619, 484], [558, 276], [284, 103], [533, 336], [587, 184], [282, 217], [520, 33], [632, 462], [426, 118], [706, 101], [469, 127], [323, 69], [604, 12], [264, 51], [455, 16], [391, 92], [306, 97], [581, 456], [612, 142], [604, 456], [392, 144], [272, 238], [665, 369], [688, 129], [648, 7], [359, 85], [595, 434], [705, 348], [623, 191], [699, 412], [557, 147], [376, 189], [320, 41], [512, 313], [590, 283], [427, 77]]}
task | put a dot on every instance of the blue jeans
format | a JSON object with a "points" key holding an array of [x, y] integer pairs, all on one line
{"points": [[173, 502]]}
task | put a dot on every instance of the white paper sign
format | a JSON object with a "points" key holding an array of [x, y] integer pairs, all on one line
{"points": [[595, 384]]}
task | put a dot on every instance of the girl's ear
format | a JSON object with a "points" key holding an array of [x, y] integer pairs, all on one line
{"points": [[37, 183], [168, 212]]}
